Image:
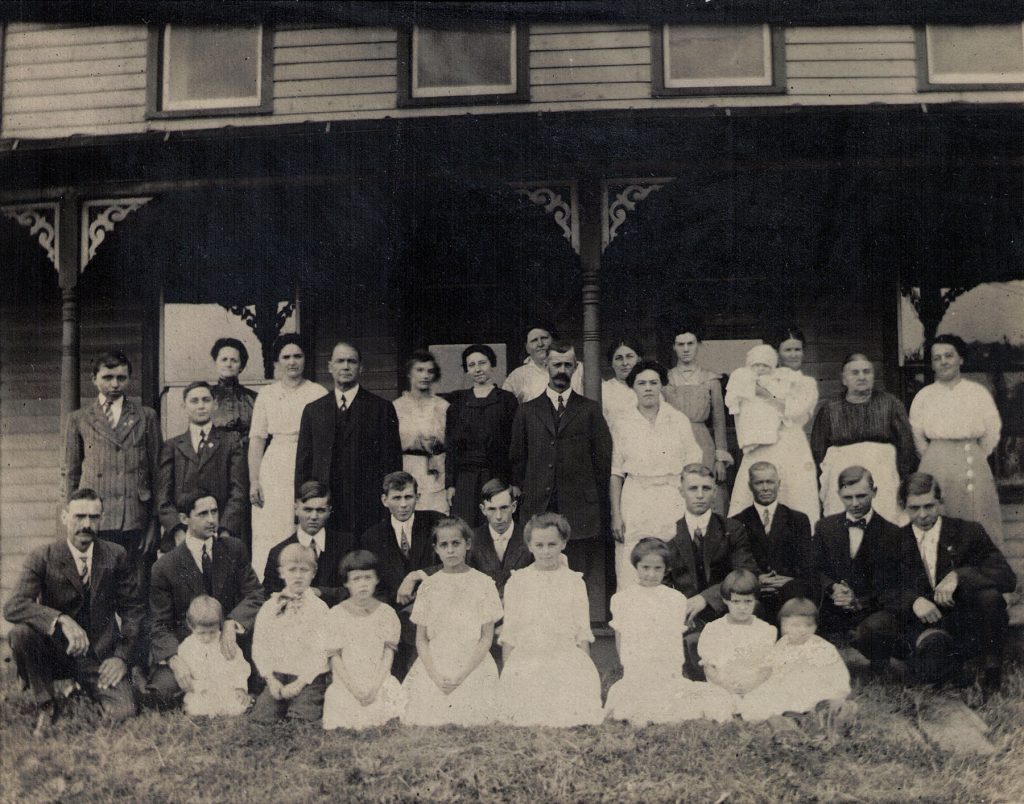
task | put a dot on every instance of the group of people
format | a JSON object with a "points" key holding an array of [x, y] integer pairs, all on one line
{"points": [[376, 559]]}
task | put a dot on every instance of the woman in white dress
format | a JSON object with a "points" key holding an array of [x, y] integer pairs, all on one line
{"points": [[956, 427], [791, 453], [616, 395], [651, 443], [275, 417], [421, 425]]}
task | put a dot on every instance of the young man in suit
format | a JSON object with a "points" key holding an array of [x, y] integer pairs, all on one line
{"points": [[498, 547], [950, 604], [63, 610], [113, 446], [856, 556], [705, 549], [206, 562], [203, 457], [348, 440], [561, 456], [780, 540], [312, 510]]}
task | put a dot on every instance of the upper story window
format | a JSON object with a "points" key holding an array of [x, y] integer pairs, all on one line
{"points": [[971, 56], [207, 70], [717, 59], [443, 66]]}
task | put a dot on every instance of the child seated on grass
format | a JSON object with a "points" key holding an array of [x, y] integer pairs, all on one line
{"points": [[735, 650], [549, 678], [219, 685], [287, 643], [751, 394], [806, 669], [361, 638], [649, 620]]}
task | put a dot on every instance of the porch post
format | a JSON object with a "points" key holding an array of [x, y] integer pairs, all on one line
{"points": [[590, 210], [68, 268]]}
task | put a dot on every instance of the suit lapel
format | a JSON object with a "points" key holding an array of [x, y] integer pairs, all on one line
{"points": [[946, 551], [213, 440], [188, 572], [353, 412], [130, 419], [218, 566], [70, 568], [545, 412], [101, 424], [516, 547], [183, 444], [686, 548]]}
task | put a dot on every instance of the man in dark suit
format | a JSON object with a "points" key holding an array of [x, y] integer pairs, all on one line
{"points": [[113, 446], [561, 456], [403, 544], [207, 562], [705, 549], [348, 440], [952, 580], [855, 556], [780, 540], [498, 547], [63, 610], [203, 457], [312, 510]]}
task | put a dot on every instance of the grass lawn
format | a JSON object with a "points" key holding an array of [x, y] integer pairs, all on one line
{"points": [[169, 757]]}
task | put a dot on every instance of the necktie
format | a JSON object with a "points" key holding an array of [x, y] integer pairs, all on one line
{"points": [[108, 411], [83, 571], [404, 544], [313, 547], [857, 523], [202, 440], [207, 570], [561, 406], [343, 406], [924, 548], [767, 520], [698, 558]]}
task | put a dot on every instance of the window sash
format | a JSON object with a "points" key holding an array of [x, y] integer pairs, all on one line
{"points": [[942, 79], [766, 79], [460, 90], [167, 103]]}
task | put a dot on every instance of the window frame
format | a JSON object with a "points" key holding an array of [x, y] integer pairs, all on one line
{"points": [[776, 57], [520, 66], [924, 78], [155, 59]]}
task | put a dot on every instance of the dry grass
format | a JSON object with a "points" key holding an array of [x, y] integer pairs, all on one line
{"points": [[171, 758]]}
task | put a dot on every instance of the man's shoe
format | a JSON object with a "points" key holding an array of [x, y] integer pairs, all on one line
{"points": [[932, 662]]}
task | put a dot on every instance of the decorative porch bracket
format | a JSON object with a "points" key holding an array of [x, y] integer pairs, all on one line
{"points": [[42, 221], [619, 198], [265, 320], [99, 216], [559, 200]]}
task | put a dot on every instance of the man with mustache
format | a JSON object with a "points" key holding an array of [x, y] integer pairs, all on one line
{"points": [[63, 610]]}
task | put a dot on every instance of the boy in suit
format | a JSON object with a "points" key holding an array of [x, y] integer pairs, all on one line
{"points": [[950, 603], [203, 457], [313, 510], [498, 547], [63, 610], [780, 540], [855, 556], [206, 562], [113, 446]]}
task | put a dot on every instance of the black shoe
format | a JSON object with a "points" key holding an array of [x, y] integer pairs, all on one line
{"points": [[932, 662], [991, 680]]}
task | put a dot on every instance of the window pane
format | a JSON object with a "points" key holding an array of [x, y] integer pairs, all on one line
{"points": [[976, 53], [717, 55], [206, 67], [463, 62]]}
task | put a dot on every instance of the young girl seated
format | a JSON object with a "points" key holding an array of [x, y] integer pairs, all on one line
{"points": [[360, 638], [549, 678], [287, 644], [806, 669], [649, 620], [218, 684], [735, 650], [750, 397], [454, 679]]}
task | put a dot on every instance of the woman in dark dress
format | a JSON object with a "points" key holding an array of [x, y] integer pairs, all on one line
{"points": [[234, 400], [477, 434]]}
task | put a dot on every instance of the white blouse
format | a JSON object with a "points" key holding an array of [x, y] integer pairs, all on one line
{"points": [[962, 410], [278, 409], [616, 398], [801, 400], [662, 448]]}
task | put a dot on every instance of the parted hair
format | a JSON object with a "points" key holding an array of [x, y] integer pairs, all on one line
{"points": [[799, 607], [739, 582], [452, 523], [479, 348], [647, 365], [204, 610], [111, 359], [231, 343], [312, 489], [188, 389], [917, 483], [955, 341], [492, 488], [290, 338], [187, 501], [549, 519], [295, 553], [852, 475], [396, 481], [649, 546], [629, 343], [422, 356]]}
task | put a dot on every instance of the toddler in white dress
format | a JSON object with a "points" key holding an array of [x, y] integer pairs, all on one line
{"points": [[649, 619], [749, 393], [218, 684]]}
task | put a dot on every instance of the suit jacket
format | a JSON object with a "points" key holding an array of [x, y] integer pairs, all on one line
{"points": [[120, 464], [873, 576], [220, 470], [963, 546], [50, 586], [726, 548], [369, 449], [176, 579], [380, 540], [483, 556], [570, 459], [787, 548], [327, 578]]}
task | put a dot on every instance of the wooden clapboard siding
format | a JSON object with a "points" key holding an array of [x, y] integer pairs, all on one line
{"points": [[875, 61]]}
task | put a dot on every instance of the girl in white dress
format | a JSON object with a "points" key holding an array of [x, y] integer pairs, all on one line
{"points": [[421, 425], [361, 636], [649, 619], [549, 678], [276, 416], [806, 669], [616, 395], [454, 679], [219, 685]]}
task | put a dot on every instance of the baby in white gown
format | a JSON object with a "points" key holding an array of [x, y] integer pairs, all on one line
{"points": [[757, 419]]}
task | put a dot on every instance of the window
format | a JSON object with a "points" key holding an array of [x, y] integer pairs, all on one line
{"points": [[204, 70], [717, 60], [442, 66], [971, 56]]}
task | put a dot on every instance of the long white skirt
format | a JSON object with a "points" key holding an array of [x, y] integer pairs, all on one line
{"points": [[275, 521], [791, 456], [651, 506], [880, 460]]}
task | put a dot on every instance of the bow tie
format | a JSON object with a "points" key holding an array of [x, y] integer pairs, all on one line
{"points": [[856, 523], [284, 601]]}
